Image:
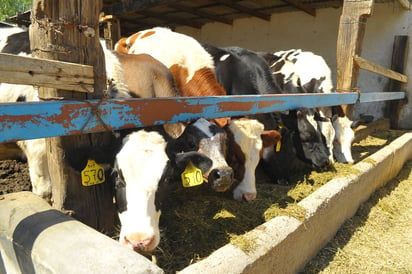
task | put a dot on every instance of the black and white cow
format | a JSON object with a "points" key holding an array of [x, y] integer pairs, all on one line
{"points": [[297, 71], [154, 149], [15, 40], [243, 71]]}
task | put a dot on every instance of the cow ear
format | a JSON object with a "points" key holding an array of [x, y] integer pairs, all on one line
{"points": [[199, 160], [221, 122], [270, 137], [174, 130], [335, 117], [356, 123]]}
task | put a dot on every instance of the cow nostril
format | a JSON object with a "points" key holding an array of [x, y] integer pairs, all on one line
{"points": [[140, 242], [220, 179]]}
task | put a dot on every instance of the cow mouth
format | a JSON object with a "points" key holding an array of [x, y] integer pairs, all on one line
{"points": [[220, 180]]}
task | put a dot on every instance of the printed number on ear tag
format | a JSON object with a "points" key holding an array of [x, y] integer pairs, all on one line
{"points": [[278, 146], [92, 174], [191, 176]]}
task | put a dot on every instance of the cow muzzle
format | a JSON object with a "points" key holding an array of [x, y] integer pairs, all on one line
{"points": [[139, 242], [220, 180]]}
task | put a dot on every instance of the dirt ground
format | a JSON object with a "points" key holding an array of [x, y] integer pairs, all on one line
{"points": [[14, 176]]}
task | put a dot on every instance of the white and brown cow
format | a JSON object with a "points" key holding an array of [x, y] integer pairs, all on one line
{"points": [[193, 71], [152, 147]]}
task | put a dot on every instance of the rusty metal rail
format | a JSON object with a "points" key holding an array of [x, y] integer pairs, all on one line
{"points": [[31, 120]]}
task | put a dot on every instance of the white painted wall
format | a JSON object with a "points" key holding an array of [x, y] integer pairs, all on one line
{"points": [[319, 34]]}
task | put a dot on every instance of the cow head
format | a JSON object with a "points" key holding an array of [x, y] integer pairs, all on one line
{"points": [[313, 146], [244, 146], [142, 171], [208, 139], [345, 134]]}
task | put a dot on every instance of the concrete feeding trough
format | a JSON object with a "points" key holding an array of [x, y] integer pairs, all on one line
{"points": [[284, 244]]}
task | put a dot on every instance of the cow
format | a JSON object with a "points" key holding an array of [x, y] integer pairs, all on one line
{"points": [[15, 40], [242, 71], [158, 82], [143, 172], [297, 71], [193, 71], [192, 67], [33, 150]]}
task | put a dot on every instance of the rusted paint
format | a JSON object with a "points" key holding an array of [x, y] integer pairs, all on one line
{"points": [[19, 121]]}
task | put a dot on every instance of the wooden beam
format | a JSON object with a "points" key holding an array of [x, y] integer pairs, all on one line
{"points": [[298, 4], [171, 19], [405, 4], [349, 43], [46, 73], [200, 13], [56, 23], [378, 69], [57, 118], [255, 13], [131, 6]]}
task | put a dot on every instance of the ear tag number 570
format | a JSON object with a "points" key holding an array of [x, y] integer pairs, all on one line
{"points": [[92, 174], [191, 176]]}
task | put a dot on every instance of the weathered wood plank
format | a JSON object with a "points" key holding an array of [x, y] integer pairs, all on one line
{"points": [[300, 5], [349, 43], [57, 118], [68, 31], [48, 73], [399, 61], [378, 69], [134, 6], [405, 4]]}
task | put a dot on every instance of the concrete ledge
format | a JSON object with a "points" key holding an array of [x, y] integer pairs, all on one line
{"points": [[34, 238], [284, 244]]}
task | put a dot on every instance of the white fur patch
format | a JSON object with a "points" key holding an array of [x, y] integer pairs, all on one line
{"points": [[141, 160], [173, 48], [224, 57], [344, 135]]}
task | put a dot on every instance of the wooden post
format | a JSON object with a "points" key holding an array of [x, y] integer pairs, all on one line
{"points": [[68, 31], [399, 60], [350, 38], [111, 30]]}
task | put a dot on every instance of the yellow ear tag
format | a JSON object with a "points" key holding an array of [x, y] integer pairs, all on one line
{"points": [[92, 174], [278, 146], [191, 176]]}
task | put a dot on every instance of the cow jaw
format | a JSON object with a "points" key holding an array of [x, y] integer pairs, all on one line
{"points": [[344, 136]]}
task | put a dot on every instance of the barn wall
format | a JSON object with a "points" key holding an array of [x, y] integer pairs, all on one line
{"points": [[318, 34]]}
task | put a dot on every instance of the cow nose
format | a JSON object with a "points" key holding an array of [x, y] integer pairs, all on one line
{"points": [[249, 196], [323, 164], [221, 180], [140, 242]]}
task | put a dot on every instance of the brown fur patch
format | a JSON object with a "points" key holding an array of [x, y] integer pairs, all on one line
{"points": [[121, 45], [270, 138], [146, 77], [147, 34]]}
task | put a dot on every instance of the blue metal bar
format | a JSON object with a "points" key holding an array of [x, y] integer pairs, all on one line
{"points": [[30, 120]]}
